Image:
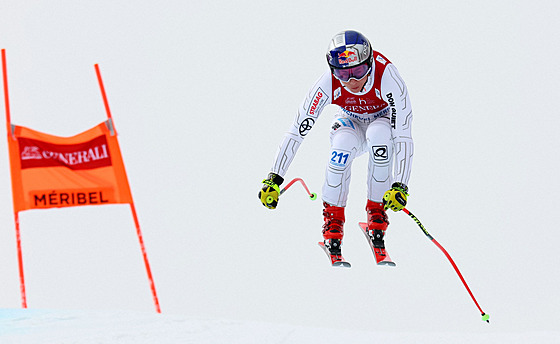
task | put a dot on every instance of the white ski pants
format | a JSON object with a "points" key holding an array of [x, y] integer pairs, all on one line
{"points": [[350, 139]]}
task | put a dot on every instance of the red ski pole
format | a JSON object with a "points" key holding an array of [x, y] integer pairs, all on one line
{"points": [[312, 196], [485, 317]]}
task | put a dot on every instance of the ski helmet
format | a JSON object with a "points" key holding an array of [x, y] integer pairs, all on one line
{"points": [[349, 49]]}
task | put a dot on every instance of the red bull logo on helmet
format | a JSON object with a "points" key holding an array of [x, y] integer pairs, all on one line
{"points": [[347, 57]]}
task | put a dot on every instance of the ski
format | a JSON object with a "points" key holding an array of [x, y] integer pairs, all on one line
{"points": [[380, 253], [337, 260]]}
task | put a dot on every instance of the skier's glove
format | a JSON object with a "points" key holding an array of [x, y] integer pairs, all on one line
{"points": [[271, 191], [395, 198]]}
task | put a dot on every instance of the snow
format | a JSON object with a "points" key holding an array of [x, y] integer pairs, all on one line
{"points": [[201, 94], [120, 327]]}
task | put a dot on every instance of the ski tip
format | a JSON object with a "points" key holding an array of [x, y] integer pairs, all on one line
{"points": [[486, 317], [387, 263], [341, 264]]}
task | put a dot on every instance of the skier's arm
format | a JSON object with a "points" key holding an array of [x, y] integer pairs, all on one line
{"points": [[308, 112], [318, 97], [395, 92]]}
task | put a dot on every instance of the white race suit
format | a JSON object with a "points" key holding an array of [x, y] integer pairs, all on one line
{"points": [[377, 120]]}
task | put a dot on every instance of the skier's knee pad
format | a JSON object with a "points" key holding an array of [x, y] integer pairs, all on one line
{"points": [[380, 146], [380, 158], [345, 142]]}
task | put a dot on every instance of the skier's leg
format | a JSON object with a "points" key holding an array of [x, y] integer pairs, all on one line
{"points": [[380, 166], [346, 144], [380, 146]]}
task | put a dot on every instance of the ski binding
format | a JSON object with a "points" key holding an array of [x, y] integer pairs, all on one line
{"points": [[337, 260], [380, 253]]}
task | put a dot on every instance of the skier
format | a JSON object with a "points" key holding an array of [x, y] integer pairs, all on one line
{"points": [[374, 116]]}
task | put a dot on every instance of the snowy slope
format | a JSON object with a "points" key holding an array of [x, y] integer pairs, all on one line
{"points": [[114, 327]]}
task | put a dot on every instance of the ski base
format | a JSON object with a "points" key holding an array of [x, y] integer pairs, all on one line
{"points": [[337, 260], [380, 254]]}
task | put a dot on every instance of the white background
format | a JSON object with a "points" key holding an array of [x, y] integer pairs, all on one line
{"points": [[202, 93]]}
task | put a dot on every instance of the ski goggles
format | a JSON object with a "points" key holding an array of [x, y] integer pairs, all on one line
{"points": [[356, 72]]}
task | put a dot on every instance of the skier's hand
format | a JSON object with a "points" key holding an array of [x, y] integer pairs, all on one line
{"points": [[271, 191], [395, 198]]}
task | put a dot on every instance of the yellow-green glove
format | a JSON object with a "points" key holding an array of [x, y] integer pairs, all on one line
{"points": [[395, 198], [271, 190]]}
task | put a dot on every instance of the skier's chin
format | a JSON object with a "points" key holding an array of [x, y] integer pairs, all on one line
{"points": [[354, 85]]}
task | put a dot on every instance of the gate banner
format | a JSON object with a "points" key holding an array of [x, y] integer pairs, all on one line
{"points": [[52, 172]]}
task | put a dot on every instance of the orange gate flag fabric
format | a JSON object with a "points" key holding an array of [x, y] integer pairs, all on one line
{"points": [[51, 172]]}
